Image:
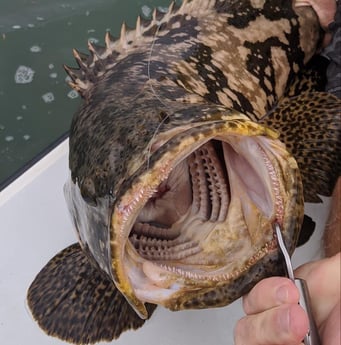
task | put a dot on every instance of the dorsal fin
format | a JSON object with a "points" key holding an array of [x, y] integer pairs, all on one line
{"points": [[81, 59], [102, 59], [97, 50]]}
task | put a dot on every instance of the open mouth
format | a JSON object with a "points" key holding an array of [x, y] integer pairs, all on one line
{"points": [[194, 200], [209, 215], [195, 193]]}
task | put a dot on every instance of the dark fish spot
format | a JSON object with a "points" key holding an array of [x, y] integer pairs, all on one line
{"points": [[88, 191], [164, 117]]}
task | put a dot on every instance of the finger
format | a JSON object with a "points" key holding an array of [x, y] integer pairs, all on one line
{"points": [[330, 332], [286, 324], [322, 277], [270, 293]]}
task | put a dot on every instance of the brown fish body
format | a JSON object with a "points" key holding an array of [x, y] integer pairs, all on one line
{"points": [[176, 183], [190, 73]]}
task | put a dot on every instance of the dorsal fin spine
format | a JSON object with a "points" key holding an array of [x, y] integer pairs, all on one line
{"points": [[81, 59], [123, 36], [183, 5], [79, 81], [155, 16], [170, 8], [94, 65], [98, 50], [93, 52], [138, 31]]}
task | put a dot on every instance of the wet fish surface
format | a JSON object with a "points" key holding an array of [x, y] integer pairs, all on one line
{"points": [[200, 129]]}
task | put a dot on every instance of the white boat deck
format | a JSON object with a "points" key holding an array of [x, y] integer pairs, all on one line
{"points": [[35, 225]]}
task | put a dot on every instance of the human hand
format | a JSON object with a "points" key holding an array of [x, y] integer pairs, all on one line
{"points": [[273, 316]]}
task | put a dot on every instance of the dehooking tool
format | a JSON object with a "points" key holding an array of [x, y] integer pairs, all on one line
{"points": [[312, 337]]}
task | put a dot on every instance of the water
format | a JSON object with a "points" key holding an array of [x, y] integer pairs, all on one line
{"points": [[36, 39]]}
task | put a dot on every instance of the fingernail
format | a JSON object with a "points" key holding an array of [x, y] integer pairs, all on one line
{"points": [[284, 320], [282, 294]]}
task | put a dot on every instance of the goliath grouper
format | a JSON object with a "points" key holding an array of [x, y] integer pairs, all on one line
{"points": [[190, 145]]}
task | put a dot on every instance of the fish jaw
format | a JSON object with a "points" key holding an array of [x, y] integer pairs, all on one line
{"points": [[202, 214]]}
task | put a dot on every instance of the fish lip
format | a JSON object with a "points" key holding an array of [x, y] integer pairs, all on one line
{"points": [[128, 207]]}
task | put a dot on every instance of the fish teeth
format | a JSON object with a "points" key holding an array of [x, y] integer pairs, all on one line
{"points": [[161, 249], [275, 185], [155, 231]]}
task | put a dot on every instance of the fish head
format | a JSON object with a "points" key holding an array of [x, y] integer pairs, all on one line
{"points": [[192, 227], [173, 194]]}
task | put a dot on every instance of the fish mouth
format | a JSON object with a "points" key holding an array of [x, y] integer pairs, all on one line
{"points": [[202, 214]]}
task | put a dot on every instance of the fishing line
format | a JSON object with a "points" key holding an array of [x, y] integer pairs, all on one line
{"points": [[149, 63], [155, 94]]}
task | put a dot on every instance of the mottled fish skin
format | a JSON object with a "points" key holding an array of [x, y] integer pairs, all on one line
{"points": [[191, 55], [200, 130], [200, 62]]}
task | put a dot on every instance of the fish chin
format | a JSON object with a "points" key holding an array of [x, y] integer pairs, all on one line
{"points": [[202, 214]]}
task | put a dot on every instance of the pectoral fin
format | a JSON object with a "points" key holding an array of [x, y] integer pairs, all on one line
{"points": [[310, 126], [307, 229], [74, 301]]}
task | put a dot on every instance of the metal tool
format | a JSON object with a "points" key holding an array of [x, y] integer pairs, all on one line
{"points": [[312, 337]]}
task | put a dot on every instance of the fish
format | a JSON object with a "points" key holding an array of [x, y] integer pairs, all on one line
{"points": [[200, 129]]}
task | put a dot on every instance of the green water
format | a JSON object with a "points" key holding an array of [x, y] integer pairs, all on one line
{"points": [[36, 39]]}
